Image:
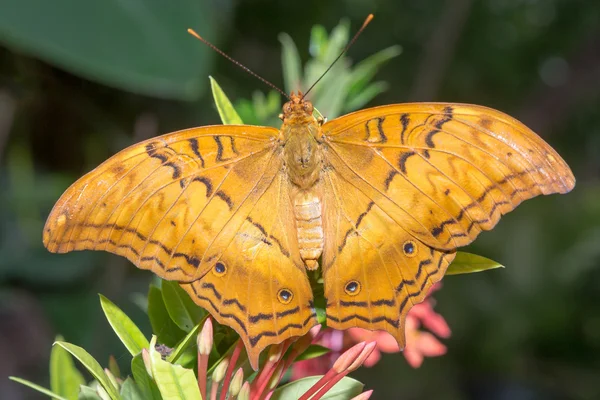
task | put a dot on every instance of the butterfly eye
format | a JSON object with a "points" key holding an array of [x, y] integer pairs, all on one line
{"points": [[285, 296], [220, 269], [352, 288], [307, 107], [409, 248]]}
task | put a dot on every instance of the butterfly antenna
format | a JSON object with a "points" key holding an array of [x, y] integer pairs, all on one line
{"points": [[248, 70], [350, 43]]}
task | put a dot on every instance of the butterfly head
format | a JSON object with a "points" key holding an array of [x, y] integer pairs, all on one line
{"points": [[297, 110]]}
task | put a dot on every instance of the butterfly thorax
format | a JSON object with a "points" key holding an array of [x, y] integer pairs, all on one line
{"points": [[300, 132]]}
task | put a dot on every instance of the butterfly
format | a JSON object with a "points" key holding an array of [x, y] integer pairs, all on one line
{"points": [[379, 199]]}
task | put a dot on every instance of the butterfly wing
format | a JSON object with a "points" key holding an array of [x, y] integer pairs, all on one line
{"points": [[408, 184], [187, 205], [261, 290]]}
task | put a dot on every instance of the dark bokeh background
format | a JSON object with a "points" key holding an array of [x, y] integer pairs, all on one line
{"points": [[81, 80]]}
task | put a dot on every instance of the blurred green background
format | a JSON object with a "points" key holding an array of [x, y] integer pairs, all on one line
{"points": [[80, 80]]}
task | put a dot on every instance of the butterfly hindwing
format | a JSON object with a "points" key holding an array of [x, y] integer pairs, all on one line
{"points": [[373, 269], [258, 285]]}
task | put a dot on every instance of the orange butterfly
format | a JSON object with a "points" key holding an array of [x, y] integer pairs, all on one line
{"points": [[237, 214]]}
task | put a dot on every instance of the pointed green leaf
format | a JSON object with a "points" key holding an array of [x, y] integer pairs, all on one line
{"points": [[130, 391], [143, 381], [465, 263], [65, 379], [313, 351], [187, 341], [226, 110], [88, 393], [113, 366], [173, 381], [345, 389], [318, 41], [338, 39], [126, 330], [168, 332], [290, 60], [92, 365], [39, 388], [182, 310], [365, 96], [365, 70], [112, 379]]}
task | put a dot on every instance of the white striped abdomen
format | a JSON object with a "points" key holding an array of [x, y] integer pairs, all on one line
{"points": [[307, 210]]}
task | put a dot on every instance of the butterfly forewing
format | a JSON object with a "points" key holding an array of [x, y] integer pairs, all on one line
{"points": [[161, 202]]}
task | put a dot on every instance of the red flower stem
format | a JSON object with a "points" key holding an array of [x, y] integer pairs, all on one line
{"points": [[331, 383], [314, 388], [202, 368], [230, 368], [266, 373], [214, 388]]}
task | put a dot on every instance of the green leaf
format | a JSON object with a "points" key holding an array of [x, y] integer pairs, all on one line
{"points": [[365, 70], [173, 381], [365, 96], [182, 310], [146, 50], [318, 41], [88, 393], [130, 391], [39, 388], [92, 365], [185, 343], [226, 110], [338, 39], [126, 330], [332, 92], [113, 366], [290, 60], [266, 107], [65, 379], [112, 379], [343, 390], [313, 351], [146, 384], [167, 331], [465, 263]]}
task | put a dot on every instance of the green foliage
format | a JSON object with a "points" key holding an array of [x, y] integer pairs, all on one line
{"points": [[226, 110], [466, 263], [173, 381], [343, 89], [65, 379], [167, 62], [128, 332], [345, 389], [167, 330], [92, 366], [182, 310]]}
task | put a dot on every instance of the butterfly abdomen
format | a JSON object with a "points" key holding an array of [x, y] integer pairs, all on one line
{"points": [[307, 210]]}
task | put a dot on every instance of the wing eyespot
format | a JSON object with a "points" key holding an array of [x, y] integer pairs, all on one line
{"points": [[285, 296], [409, 248], [352, 288], [220, 269]]}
